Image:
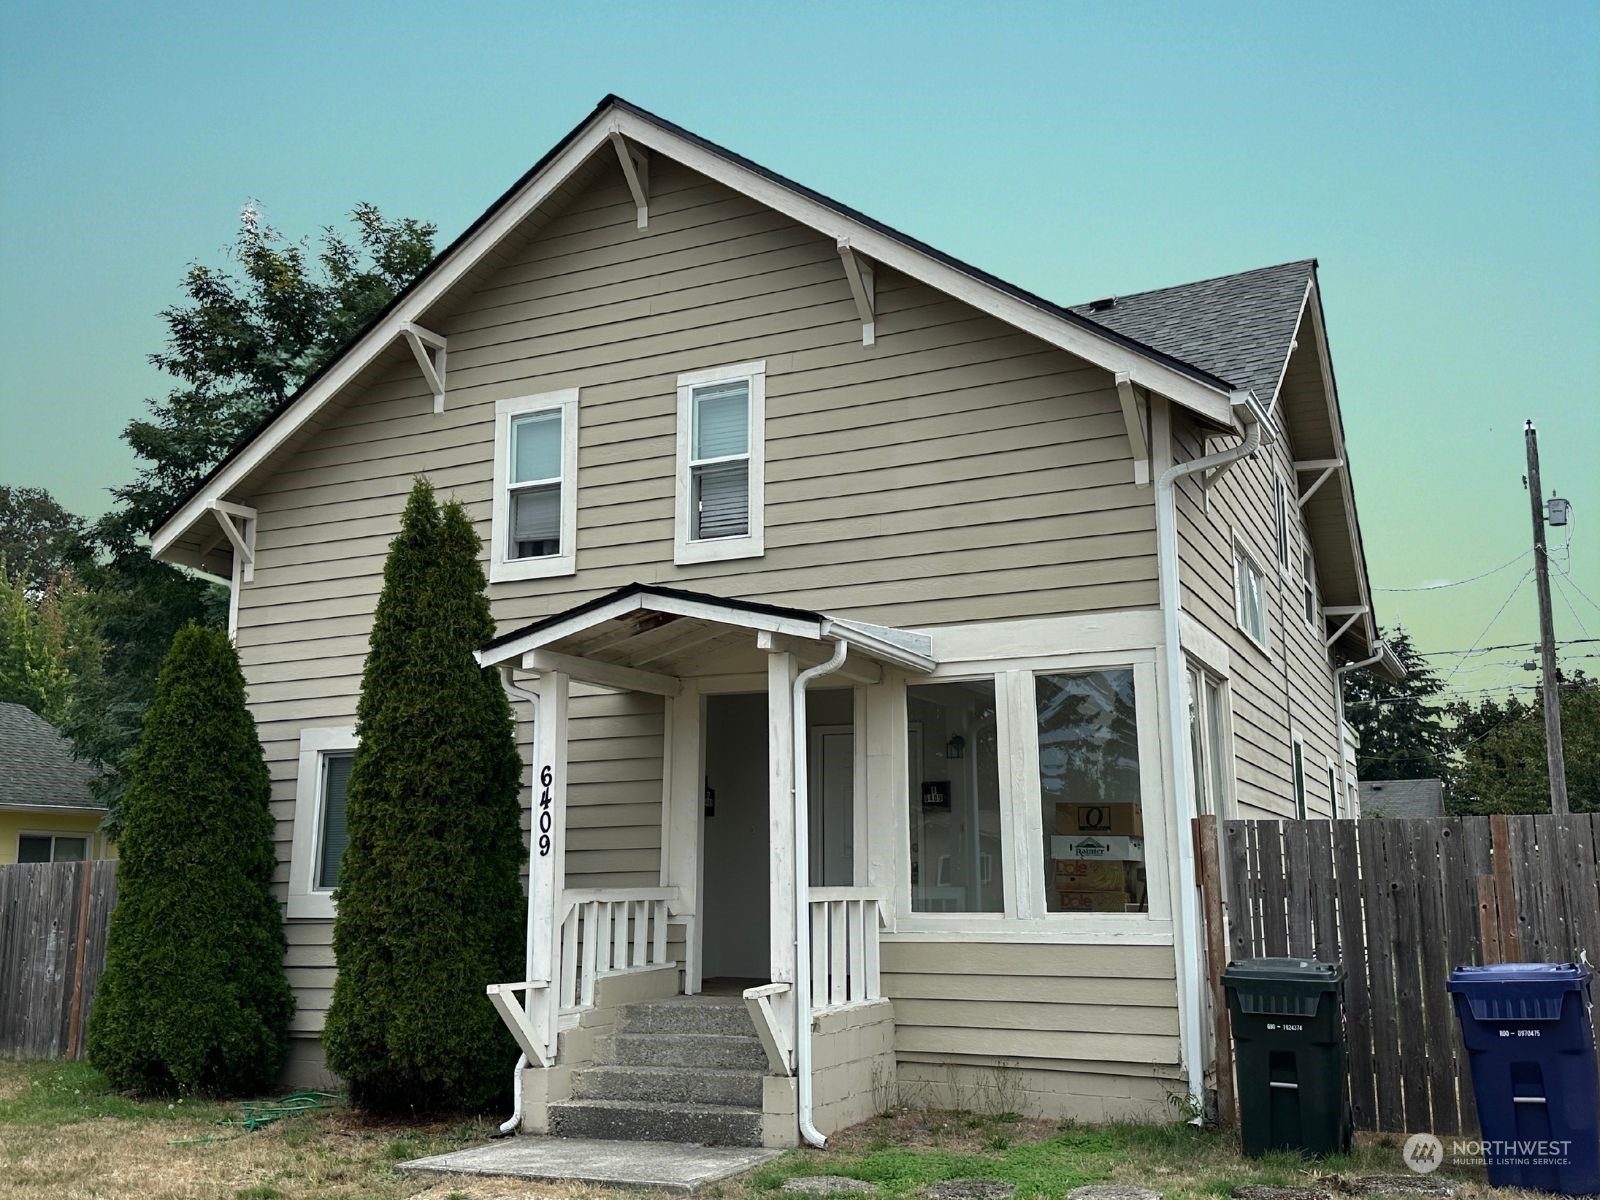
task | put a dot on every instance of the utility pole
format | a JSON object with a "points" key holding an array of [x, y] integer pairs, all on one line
{"points": [[1547, 634]]}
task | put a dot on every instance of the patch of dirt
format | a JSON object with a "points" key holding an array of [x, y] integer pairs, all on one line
{"points": [[924, 1129]]}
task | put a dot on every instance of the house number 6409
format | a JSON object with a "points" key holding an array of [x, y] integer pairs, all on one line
{"points": [[547, 778]]}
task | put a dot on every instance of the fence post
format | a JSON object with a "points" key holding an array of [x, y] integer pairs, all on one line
{"points": [[1209, 860], [75, 1017]]}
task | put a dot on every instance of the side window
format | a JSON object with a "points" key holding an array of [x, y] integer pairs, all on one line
{"points": [[1210, 752], [320, 829], [46, 847], [1280, 512], [1298, 768], [535, 521], [1308, 586], [1250, 596], [721, 464]]}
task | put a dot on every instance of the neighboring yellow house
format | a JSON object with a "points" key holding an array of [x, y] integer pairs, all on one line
{"points": [[47, 811]]}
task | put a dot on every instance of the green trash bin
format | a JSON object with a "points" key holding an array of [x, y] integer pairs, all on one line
{"points": [[1288, 1040]]}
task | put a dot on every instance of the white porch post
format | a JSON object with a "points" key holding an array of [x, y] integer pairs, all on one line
{"points": [[547, 847], [685, 804], [780, 823]]}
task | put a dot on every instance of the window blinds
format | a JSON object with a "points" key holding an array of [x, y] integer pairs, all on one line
{"points": [[721, 487]]}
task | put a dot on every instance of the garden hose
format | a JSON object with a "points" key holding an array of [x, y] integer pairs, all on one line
{"points": [[255, 1116]]}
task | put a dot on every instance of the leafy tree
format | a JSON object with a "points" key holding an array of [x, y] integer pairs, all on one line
{"points": [[1503, 768], [50, 646], [242, 341], [194, 996], [39, 538], [1401, 725], [429, 900]]}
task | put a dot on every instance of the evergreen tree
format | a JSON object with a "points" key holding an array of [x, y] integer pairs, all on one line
{"points": [[194, 996], [1401, 725], [429, 900], [1503, 767]]}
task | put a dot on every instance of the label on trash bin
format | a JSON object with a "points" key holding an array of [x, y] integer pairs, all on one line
{"points": [[1286, 1028], [1521, 1033]]}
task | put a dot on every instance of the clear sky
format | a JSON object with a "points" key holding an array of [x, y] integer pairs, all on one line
{"points": [[1441, 160]]}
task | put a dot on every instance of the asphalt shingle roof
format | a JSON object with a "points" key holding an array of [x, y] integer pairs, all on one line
{"points": [[1237, 327], [36, 763]]}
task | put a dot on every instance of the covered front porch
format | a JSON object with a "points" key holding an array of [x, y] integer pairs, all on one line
{"points": [[766, 886]]}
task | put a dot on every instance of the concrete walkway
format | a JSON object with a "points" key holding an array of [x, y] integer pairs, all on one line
{"points": [[667, 1166]]}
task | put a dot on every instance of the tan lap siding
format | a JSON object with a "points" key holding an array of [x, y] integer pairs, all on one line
{"points": [[1291, 684], [955, 471], [1089, 1032]]}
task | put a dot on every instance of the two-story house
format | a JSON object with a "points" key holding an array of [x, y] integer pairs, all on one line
{"points": [[875, 628]]}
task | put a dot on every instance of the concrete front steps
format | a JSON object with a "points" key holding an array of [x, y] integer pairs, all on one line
{"points": [[688, 1069]]}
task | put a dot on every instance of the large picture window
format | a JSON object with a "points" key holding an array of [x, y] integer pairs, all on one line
{"points": [[1093, 823], [957, 856]]}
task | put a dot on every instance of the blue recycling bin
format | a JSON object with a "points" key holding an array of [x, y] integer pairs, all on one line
{"points": [[1527, 1033]]}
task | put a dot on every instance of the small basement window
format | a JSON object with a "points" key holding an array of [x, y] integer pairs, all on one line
{"points": [[721, 477], [535, 487], [51, 847]]}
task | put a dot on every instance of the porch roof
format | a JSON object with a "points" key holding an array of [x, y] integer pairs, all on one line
{"points": [[643, 634]]}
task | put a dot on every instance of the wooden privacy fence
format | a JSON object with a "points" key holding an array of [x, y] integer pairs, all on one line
{"points": [[1400, 903], [53, 923]]}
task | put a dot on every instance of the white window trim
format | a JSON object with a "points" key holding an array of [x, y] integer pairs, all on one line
{"points": [[1240, 550], [503, 569], [1021, 813], [1308, 583], [685, 549], [1225, 804], [306, 899], [1281, 542]]}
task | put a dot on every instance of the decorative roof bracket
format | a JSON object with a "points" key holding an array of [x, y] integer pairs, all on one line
{"points": [[429, 349], [1133, 417], [858, 271], [636, 170]]}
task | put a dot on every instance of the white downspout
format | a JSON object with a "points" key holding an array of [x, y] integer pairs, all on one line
{"points": [[1190, 960], [512, 1125], [802, 897]]}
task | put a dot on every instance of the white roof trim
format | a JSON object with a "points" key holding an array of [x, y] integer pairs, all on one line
{"points": [[899, 647], [1103, 351]]}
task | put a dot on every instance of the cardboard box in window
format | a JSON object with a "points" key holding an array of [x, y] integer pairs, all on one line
{"points": [[1109, 901], [1085, 875], [1122, 820], [1093, 846]]}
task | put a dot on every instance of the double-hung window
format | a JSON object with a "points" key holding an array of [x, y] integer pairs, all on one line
{"points": [[1210, 750], [721, 464], [320, 829], [1250, 596], [535, 487]]}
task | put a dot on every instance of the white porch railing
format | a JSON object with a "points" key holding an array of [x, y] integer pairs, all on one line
{"points": [[608, 931], [603, 931], [844, 945]]}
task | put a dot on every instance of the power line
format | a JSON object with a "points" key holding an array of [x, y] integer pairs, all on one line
{"points": [[1583, 641], [1499, 612], [1434, 587], [1578, 589], [1567, 600]]}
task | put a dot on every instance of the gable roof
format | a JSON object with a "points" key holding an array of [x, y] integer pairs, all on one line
{"points": [[1189, 385], [40, 771], [1237, 327]]}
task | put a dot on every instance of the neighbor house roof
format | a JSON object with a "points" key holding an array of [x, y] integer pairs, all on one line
{"points": [[39, 770], [1237, 327]]}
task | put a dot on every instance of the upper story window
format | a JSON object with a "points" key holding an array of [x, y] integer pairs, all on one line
{"points": [[1280, 515], [535, 487], [1308, 585], [721, 464], [1249, 596], [320, 829]]}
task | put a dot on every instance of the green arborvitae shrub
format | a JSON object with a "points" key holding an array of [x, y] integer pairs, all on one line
{"points": [[430, 904], [194, 996]]}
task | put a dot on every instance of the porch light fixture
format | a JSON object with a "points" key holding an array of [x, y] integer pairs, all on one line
{"points": [[956, 747]]}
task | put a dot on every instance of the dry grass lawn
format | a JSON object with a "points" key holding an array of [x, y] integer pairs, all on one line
{"points": [[64, 1134]]}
